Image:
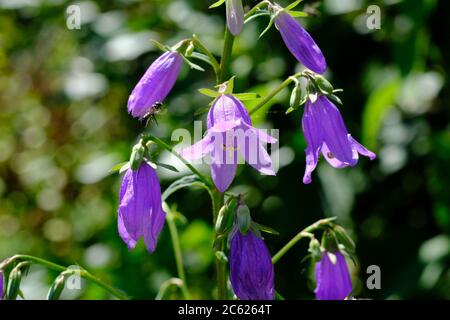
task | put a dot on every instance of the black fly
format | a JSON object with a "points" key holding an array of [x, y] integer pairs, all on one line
{"points": [[151, 115]]}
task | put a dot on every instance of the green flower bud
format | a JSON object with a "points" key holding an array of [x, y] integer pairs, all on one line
{"points": [[137, 156], [15, 278], [243, 219], [324, 85], [56, 289], [296, 97]]}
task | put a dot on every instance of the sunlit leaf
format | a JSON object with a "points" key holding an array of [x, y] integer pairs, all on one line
{"points": [[216, 4]]}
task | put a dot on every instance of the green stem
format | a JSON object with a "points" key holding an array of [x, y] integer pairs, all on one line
{"points": [[176, 154], [253, 10], [82, 272], [178, 256], [305, 233], [218, 201], [275, 91], [226, 55], [215, 64]]}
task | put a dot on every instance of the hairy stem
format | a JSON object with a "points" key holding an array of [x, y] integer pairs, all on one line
{"points": [[82, 272], [275, 91], [218, 201], [305, 233], [226, 56], [178, 256]]}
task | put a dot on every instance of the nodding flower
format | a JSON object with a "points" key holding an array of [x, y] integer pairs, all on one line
{"points": [[300, 43], [155, 85], [230, 131], [325, 132], [140, 209]]}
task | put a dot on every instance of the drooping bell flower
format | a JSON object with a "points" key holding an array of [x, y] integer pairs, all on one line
{"points": [[332, 277], [251, 268], [325, 132], [235, 16], [1, 285], [155, 85], [140, 209], [300, 43], [230, 132]]}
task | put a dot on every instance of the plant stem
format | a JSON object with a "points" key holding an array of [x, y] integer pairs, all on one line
{"points": [[275, 91], [218, 201], [205, 50], [226, 55], [305, 233], [178, 256], [82, 272]]}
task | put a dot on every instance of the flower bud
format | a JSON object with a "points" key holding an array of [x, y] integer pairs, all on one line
{"points": [[324, 85], [56, 289], [15, 278], [296, 96], [137, 155], [243, 219]]}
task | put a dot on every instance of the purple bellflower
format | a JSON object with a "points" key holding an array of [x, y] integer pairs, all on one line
{"points": [[251, 268], [140, 209], [332, 278], [155, 85], [235, 16], [230, 131], [300, 43], [325, 131], [1, 284]]}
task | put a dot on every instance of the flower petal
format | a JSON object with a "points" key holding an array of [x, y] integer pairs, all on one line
{"points": [[333, 280], [155, 85], [223, 163], [198, 150], [300, 43], [235, 16], [314, 141], [359, 148]]}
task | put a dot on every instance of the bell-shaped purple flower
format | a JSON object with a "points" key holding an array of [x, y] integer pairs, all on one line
{"points": [[1, 285], [332, 277], [230, 132], [251, 268], [300, 43], [325, 131], [140, 209], [235, 16], [155, 85]]}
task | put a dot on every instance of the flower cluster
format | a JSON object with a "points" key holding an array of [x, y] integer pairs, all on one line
{"points": [[230, 134]]}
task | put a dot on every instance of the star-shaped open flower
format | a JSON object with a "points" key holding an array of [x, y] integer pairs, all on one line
{"points": [[230, 133]]}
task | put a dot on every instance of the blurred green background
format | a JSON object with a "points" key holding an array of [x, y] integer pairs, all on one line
{"points": [[64, 124]]}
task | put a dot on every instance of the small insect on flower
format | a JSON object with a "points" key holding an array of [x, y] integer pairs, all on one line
{"points": [[150, 116]]}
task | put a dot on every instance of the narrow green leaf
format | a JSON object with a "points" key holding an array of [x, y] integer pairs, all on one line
{"points": [[298, 14], [267, 229], [268, 27], [265, 13], [247, 96], [293, 5], [216, 4], [209, 92], [160, 46], [117, 167], [202, 57], [193, 65], [167, 166], [184, 182]]}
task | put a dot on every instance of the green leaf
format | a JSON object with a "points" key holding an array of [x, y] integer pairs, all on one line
{"points": [[209, 92], [193, 65], [184, 182], [160, 46], [293, 5], [267, 229], [117, 167], [247, 96], [216, 4], [167, 166], [378, 104], [260, 14], [343, 238], [268, 27], [335, 98], [202, 57], [298, 14]]}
